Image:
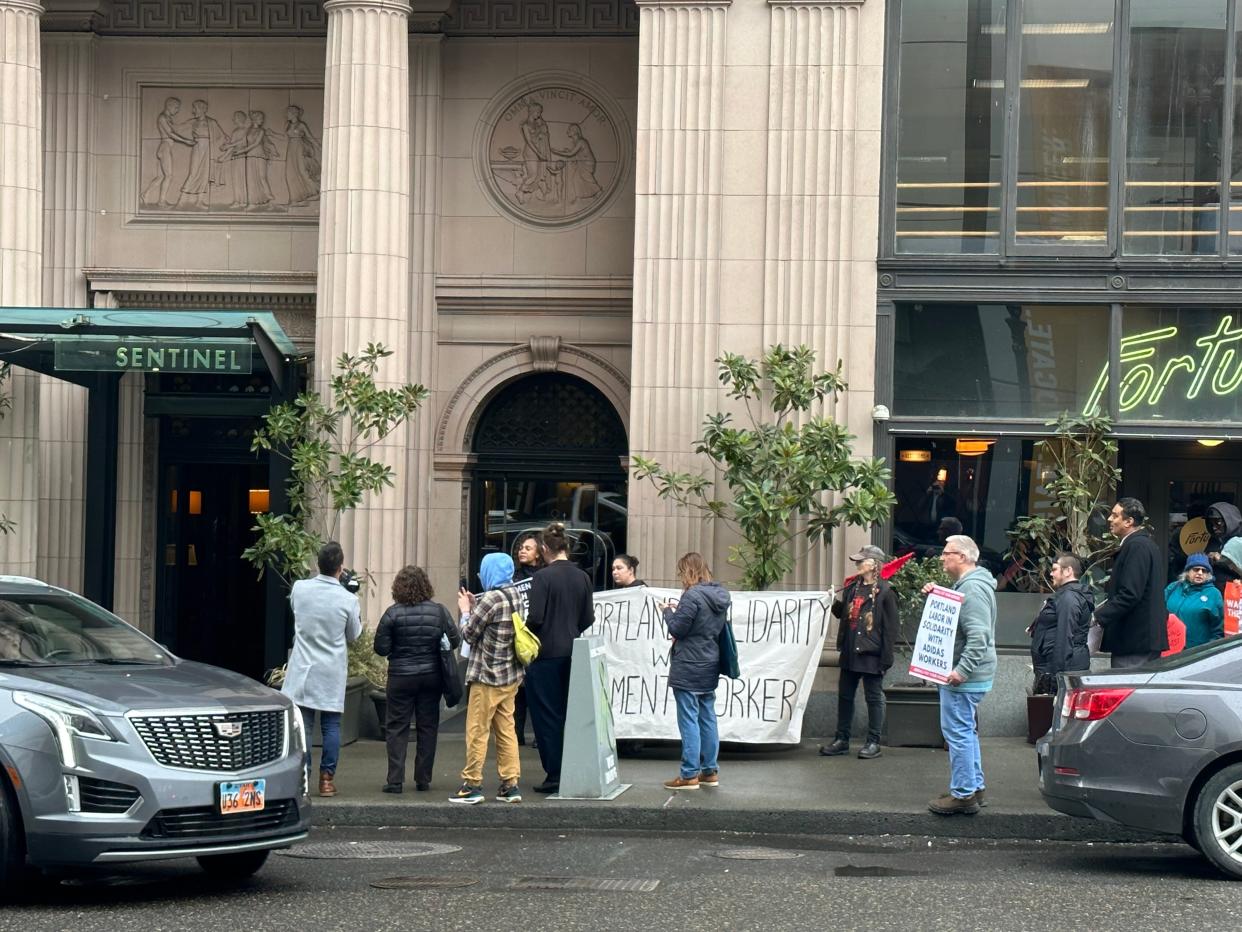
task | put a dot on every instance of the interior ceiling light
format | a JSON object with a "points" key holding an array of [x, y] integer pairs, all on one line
{"points": [[1211, 443], [972, 447], [1037, 83], [1053, 29]]}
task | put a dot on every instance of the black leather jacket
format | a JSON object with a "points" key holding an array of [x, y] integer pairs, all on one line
{"points": [[409, 636]]}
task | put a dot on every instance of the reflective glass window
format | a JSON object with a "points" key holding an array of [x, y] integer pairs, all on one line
{"points": [[1174, 129], [1063, 135], [997, 360], [950, 126]]}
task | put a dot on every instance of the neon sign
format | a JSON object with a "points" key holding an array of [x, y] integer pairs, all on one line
{"points": [[1144, 381]]}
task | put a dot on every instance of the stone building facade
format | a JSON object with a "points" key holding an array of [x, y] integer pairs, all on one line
{"points": [[585, 201]]}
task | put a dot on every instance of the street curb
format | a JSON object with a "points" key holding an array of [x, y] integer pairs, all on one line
{"points": [[554, 815]]}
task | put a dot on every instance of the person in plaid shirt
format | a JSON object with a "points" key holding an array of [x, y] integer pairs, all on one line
{"points": [[494, 675]]}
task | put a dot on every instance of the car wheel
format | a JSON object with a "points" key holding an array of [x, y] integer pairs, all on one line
{"points": [[11, 860], [233, 866], [1218, 820]]}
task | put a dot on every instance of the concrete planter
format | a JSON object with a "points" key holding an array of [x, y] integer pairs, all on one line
{"points": [[912, 716]]}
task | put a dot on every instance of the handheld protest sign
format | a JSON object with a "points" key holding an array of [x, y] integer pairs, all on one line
{"points": [[933, 647]]}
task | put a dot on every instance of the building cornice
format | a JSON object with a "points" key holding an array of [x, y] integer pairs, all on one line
{"points": [[200, 281]]}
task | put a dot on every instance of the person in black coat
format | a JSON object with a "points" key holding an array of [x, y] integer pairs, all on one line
{"points": [[561, 608], [409, 635], [1059, 632], [1224, 523], [527, 562], [694, 623], [1134, 617], [867, 609]]}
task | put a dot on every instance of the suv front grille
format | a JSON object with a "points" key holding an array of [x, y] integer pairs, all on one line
{"points": [[193, 742], [207, 822], [105, 796]]}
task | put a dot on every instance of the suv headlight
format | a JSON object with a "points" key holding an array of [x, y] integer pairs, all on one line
{"points": [[298, 730], [66, 719]]}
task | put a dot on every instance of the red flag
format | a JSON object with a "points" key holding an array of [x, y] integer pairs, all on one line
{"points": [[887, 571]]}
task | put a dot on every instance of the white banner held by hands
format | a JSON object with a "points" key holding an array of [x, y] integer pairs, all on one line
{"points": [[933, 647], [780, 636]]}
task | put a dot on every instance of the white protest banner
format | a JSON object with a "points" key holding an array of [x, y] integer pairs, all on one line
{"points": [[933, 647], [779, 639]]}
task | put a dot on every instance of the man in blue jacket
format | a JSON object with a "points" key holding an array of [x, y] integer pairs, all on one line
{"points": [[974, 666]]}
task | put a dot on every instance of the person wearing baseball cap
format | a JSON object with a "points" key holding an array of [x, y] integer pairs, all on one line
{"points": [[1194, 598], [867, 610]]}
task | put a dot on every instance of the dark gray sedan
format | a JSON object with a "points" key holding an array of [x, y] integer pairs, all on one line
{"points": [[113, 751], [1156, 747]]}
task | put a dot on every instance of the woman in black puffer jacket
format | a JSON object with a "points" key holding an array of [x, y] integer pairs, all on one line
{"points": [[694, 623], [409, 635]]}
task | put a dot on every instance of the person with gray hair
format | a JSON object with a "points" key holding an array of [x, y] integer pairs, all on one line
{"points": [[867, 630], [974, 666]]}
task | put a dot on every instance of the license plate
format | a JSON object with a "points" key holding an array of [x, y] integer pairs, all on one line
{"points": [[245, 796]]}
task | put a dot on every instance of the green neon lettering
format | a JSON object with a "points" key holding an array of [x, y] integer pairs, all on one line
{"points": [[1220, 362]]}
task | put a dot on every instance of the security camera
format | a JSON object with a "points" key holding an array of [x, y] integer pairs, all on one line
{"points": [[880, 413]]}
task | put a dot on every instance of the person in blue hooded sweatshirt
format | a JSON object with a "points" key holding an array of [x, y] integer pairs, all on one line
{"points": [[494, 674], [1194, 598]]}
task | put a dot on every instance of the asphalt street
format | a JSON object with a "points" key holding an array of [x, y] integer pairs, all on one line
{"points": [[874, 882]]}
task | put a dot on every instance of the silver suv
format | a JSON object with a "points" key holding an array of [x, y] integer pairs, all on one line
{"points": [[112, 750]]}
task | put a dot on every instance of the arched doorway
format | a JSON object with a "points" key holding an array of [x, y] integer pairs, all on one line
{"points": [[549, 448]]}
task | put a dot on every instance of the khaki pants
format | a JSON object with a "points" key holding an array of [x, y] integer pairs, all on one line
{"points": [[490, 710]]}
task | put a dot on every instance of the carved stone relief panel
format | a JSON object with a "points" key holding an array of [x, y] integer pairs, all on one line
{"points": [[217, 17], [542, 17], [552, 150], [248, 152]]}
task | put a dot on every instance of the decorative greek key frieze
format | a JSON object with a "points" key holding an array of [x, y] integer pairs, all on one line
{"points": [[542, 17], [218, 17]]}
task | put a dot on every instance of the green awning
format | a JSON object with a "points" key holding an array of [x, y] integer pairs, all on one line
{"points": [[38, 337]]}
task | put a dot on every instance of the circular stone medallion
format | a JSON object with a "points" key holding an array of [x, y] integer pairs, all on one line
{"points": [[552, 150]]}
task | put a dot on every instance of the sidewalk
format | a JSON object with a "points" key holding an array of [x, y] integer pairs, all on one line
{"points": [[792, 791]]}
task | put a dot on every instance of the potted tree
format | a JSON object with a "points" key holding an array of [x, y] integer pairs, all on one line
{"points": [[912, 716], [1076, 468]]}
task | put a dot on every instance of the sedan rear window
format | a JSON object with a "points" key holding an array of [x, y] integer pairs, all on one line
{"points": [[59, 630]]}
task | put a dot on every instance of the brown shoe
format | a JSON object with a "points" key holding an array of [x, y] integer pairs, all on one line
{"points": [[327, 786], [981, 798], [949, 804], [709, 778], [682, 783]]}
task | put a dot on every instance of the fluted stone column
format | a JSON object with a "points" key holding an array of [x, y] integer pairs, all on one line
{"points": [[821, 204], [364, 246], [426, 96], [21, 268], [68, 76], [678, 188]]}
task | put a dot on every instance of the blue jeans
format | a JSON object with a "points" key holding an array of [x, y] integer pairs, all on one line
{"points": [[330, 728], [957, 724], [700, 740]]}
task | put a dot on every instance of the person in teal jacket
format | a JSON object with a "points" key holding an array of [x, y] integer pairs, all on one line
{"points": [[1194, 598]]}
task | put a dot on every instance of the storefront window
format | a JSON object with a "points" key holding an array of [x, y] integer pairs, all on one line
{"points": [[1174, 131], [951, 119], [938, 488], [1181, 364], [1063, 134], [997, 360], [990, 165]]}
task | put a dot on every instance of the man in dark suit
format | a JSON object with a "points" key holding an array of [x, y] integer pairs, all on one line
{"points": [[1134, 616]]}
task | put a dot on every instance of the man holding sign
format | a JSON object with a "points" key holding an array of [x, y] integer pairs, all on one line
{"points": [[970, 679]]}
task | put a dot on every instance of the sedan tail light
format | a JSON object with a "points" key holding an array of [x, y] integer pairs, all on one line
{"points": [[1093, 704]]}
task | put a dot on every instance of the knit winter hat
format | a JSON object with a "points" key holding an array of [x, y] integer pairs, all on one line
{"points": [[1198, 559]]}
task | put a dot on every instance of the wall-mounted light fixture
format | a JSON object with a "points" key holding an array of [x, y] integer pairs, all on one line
{"points": [[260, 501]]}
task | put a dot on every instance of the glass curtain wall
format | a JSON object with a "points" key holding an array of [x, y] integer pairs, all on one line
{"points": [[1089, 127]]}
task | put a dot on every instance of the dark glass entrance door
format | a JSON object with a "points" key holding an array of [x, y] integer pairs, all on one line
{"points": [[210, 600]]}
